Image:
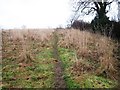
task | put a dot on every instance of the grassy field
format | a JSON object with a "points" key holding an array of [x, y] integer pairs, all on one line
{"points": [[85, 60]]}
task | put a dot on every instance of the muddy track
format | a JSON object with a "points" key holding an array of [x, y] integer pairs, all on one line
{"points": [[58, 69]]}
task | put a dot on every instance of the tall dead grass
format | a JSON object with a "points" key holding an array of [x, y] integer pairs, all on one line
{"points": [[93, 48], [93, 52], [21, 45]]}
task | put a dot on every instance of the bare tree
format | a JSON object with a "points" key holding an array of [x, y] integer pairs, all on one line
{"points": [[98, 7], [86, 7], [119, 11]]}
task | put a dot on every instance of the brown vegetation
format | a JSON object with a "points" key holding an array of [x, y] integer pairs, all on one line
{"points": [[96, 49], [93, 52], [23, 44]]}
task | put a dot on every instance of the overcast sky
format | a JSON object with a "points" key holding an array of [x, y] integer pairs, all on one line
{"points": [[35, 13]]}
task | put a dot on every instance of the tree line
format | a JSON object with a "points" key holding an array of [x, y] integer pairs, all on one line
{"points": [[101, 22]]}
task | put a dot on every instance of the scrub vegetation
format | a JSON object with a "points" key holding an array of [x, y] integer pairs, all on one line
{"points": [[39, 58]]}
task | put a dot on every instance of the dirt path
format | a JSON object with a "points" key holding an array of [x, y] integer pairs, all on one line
{"points": [[59, 79]]}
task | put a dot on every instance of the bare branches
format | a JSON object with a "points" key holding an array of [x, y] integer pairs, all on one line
{"points": [[96, 5], [86, 7], [109, 2], [79, 6]]}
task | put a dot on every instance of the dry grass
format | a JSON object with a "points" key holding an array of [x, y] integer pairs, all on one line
{"points": [[87, 46], [93, 48], [20, 51], [22, 42], [93, 52]]}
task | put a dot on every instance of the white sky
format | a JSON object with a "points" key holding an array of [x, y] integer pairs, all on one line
{"points": [[35, 13]]}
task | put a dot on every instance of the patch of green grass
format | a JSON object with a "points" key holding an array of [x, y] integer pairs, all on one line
{"points": [[93, 81], [70, 82], [68, 58], [38, 75], [8, 75], [45, 53]]}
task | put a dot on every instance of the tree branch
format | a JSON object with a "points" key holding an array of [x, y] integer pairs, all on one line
{"points": [[96, 5], [79, 5], [109, 2], [85, 6]]}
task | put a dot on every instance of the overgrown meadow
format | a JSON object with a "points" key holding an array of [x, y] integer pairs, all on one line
{"points": [[87, 60]]}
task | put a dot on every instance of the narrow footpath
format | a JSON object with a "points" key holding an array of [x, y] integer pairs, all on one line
{"points": [[58, 69]]}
